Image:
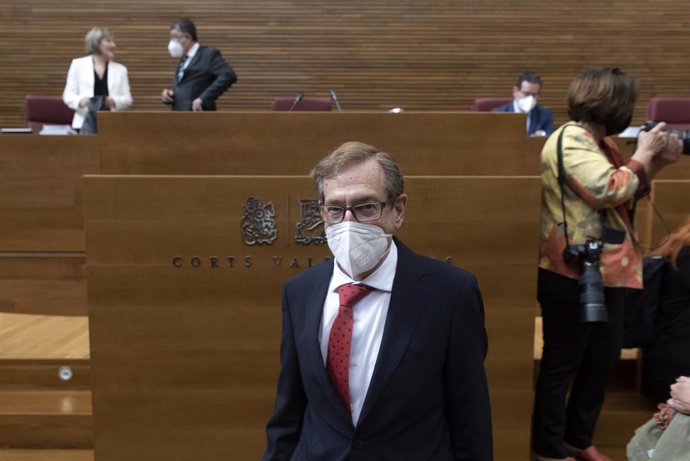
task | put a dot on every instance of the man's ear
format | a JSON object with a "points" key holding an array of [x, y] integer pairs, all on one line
{"points": [[399, 206]]}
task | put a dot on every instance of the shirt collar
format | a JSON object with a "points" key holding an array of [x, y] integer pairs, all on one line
{"points": [[381, 279], [192, 51]]}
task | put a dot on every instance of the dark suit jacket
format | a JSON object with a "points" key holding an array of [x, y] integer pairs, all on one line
{"points": [[206, 77], [540, 118], [428, 397]]}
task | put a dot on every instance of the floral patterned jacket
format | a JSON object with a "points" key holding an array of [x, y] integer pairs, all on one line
{"points": [[596, 179]]}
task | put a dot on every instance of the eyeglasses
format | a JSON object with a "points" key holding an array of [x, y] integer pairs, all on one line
{"points": [[365, 212]]}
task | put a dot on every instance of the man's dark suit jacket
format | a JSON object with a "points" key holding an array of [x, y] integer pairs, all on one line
{"points": [[540, 118], [428, 398], [207, 76]]}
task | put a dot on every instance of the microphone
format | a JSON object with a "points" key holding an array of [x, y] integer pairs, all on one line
{"points": [[298, 98], [334, 97]]}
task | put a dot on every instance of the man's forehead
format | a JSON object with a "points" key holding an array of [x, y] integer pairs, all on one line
{"points": [[529, 86]]}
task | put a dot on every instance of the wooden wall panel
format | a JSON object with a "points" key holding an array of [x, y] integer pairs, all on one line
{"points": [[185, 359], [281, 143], [432, 55], [40, 191], [671, 197]]}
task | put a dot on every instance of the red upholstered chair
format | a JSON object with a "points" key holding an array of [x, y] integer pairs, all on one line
{"points": [[486, 104], [44, 110], [308, 103], [674, 111]]}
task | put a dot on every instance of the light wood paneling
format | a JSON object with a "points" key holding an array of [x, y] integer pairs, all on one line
{"points": [[187, 357], [432, 55], [43, 337]]}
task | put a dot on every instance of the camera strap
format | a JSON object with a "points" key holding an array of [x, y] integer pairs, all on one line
{"points": [[561, 182], [608, 235]]}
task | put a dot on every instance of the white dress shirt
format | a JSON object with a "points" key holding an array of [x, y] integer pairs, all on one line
{"points": [[369, 317], [517, 110]]}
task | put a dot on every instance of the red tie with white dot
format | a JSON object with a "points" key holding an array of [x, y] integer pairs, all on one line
{"points": [[340, 340]]}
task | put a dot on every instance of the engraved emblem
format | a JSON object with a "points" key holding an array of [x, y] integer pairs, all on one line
{"points": [[310, 226], [258, 222]]}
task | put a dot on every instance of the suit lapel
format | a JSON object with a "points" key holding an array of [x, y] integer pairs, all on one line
{"points": [[408, 301]]}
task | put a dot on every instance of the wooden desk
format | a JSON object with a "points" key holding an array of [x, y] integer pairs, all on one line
{"points": [[185, 351], [274, 143], [42, 234]]}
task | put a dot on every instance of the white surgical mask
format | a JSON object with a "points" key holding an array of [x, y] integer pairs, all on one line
{"points": [[175, 49], [527, 103], [357, 247]]}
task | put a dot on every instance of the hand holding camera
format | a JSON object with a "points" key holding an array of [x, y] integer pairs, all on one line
{"points": [[657, 147]]}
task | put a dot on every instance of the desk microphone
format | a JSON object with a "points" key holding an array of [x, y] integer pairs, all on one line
{"points": [[334, 97], [298, 98]]}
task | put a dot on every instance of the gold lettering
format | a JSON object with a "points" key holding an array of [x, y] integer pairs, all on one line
{"points": [[213, 260], [449, 259], [294, 263], [277, 260], [247, 261], [177, 261], [196, 261], [231, 261], [309, 262]]}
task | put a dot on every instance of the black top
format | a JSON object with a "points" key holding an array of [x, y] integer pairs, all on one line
{"points": [[100, 85], [668, 357]]}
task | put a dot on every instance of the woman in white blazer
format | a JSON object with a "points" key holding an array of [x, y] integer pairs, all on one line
{"points": [[96, 74]]}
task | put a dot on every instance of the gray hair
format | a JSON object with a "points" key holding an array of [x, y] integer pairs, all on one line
{"points": [[353, 153], [93, 38]]}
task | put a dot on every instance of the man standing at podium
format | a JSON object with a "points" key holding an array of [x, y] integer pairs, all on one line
{"points": [[382, 352], [202, 74]]}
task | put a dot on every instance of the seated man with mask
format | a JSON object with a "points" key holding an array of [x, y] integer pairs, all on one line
{"points": [[526, 95]]}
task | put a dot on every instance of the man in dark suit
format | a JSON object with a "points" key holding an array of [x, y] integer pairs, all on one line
{"points": [[202, 74], [382, 353], [525, 98]]}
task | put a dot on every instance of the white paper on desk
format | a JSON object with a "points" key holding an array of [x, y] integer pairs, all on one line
{"points": [[56, 130], [630, 132]]}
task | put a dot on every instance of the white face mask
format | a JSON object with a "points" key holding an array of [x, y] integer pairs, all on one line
{"points": [[527, 103], [175, 49], [357, 247]]}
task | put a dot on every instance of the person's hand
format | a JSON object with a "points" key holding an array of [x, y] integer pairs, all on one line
{"points": [[671, 153], [197, 105], [109, 103], [83, 102], [650, 143], [167, 96], [680, 395]]}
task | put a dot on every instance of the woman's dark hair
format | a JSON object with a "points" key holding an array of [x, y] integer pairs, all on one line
{"points": [[186, 26], [602, 95]]}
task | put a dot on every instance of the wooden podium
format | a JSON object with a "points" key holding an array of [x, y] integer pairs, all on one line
{"points": [[184, 278]]}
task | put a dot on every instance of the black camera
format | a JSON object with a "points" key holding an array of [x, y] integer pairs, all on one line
{"points": [[683, 135], [592, 300]]}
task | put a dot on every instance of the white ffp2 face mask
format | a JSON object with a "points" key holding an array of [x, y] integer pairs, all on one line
{"points": [[527, 103], [175, 49], [357, 247]]}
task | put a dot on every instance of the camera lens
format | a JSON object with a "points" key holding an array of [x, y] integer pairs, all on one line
{"points": [[592, 294]]}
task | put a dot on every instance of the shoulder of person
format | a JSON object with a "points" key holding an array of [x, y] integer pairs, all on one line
{"points": [[117, 66], [440, 272], [577, 137], [322, 269], [81, 61]]}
